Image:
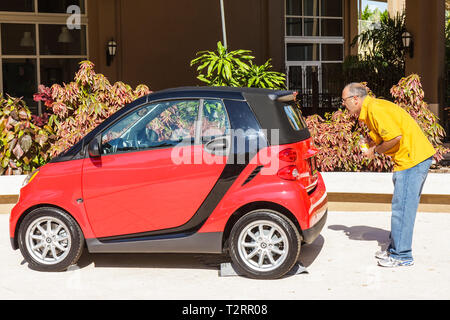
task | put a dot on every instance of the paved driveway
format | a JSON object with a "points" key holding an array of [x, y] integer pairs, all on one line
{"points": [[340, 265]]}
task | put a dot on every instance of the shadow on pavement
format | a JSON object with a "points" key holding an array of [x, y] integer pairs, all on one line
{"points": [[364, 233], [152, 260], [309, 252]]}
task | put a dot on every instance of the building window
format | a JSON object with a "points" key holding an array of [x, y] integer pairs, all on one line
{"points": [[17, 5], [303, 52], [60, 6], [314, 40], [40, 45], [332, 52], [313, 18]]}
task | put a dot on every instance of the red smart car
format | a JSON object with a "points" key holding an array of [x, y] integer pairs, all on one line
{"points": [[195, 170]]}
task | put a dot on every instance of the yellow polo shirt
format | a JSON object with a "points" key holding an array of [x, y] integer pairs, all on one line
{"points": [[386, 121]]}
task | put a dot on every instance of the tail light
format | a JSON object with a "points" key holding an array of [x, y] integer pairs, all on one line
{"points": [[288, 155], [288, 173]]}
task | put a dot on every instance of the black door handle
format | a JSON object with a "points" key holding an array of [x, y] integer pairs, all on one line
{"points": [[217, 146]]}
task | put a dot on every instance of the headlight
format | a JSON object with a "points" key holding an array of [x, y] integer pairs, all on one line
{"points": [[30, 177]]}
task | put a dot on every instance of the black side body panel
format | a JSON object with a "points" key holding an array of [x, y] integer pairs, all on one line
{"points": [[207, 242]]}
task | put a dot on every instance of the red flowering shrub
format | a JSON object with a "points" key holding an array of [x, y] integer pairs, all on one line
{"points": [[23, 145], [408, 94], [78, 107], [337, 136], [337, 139]]}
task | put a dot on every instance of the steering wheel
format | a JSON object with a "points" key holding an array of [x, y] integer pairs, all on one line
{"points": [[146, 137], [113, 145]]}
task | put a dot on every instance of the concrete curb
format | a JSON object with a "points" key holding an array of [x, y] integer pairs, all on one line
{"points": [[380, 183], [10, 188], [8, 199], [10, 185], [384, 198]]}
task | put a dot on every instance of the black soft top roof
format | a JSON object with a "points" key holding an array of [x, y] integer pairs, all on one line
{"points": [[234, 93]]}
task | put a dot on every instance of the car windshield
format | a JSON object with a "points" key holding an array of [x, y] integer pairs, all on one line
{"points": [[142, 116]]}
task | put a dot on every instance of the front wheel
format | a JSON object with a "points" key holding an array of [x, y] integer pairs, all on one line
{"points": [[264, 244], [50, 239]]}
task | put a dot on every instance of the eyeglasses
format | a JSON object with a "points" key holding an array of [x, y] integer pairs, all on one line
{"points": [[343, 100]]}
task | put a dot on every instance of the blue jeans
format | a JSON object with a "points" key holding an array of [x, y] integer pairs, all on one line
{"points": [[408, 186]]}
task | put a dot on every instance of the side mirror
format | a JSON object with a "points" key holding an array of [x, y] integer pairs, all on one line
{"points": [[94, 149]]}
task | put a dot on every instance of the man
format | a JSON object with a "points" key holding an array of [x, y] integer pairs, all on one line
{"points": [[395, 133]]}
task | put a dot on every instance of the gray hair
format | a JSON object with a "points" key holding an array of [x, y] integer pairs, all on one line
{"points": [[356, 89]]}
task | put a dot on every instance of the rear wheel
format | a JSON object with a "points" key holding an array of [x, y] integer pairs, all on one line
{"points": [[50, 239], [264, 244]]}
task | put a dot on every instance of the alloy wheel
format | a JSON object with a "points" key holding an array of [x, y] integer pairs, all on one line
{"points": [[263, 245], [48, 240]]}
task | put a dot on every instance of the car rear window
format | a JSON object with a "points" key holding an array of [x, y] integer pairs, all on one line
{"points": [[295, 117]]}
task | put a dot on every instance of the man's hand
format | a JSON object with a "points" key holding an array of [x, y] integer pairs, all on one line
{"points": [[381, 148], [370, 152]]}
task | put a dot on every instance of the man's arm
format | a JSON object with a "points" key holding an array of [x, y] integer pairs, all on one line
{"points": [[383, 147], [387, 145]]}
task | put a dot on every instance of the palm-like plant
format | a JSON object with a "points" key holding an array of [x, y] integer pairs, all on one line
{"points": [[262, 77], [222, 68], [385, 42], [383, 61], [236, 69]]}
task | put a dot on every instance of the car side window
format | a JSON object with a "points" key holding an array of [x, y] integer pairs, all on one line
{"points": [[163, 124], [295, 117], [215, 121]]}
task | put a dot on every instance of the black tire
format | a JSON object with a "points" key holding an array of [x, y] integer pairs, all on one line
{"points": [[50, 239], [278, 248]]}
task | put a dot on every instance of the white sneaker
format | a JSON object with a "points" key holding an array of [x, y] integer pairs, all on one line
{"points": [[382, 254], [392, 263]]}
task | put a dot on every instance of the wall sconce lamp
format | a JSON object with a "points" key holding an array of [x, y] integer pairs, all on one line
{"points": [[27, 40], [111, 48], [64, 36], [408, 43]]}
